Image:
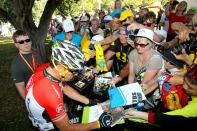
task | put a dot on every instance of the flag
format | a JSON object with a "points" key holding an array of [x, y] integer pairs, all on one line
{"points": [[100, 60], [85, 43]]}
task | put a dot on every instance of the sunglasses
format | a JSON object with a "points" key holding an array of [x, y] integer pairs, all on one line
{"points": [[69, 32], [84, 21], [141, 45], [23, 41], [148, 24], [106, 22]]}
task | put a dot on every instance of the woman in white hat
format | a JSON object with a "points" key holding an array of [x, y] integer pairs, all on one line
{"points": [[144, 62]]}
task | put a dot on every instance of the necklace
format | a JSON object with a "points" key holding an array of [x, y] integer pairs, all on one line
{"points": [[33, 67]]}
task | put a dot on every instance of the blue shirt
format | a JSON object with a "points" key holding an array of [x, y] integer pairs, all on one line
{"points": [[76, 40], [116, 12]]}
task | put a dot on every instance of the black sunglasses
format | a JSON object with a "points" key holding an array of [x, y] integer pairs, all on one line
{"points": [[69, 32], [148, 24], [23, 41]]}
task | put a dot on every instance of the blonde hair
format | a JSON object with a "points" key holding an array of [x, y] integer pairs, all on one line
{"points": [[194, 19]]}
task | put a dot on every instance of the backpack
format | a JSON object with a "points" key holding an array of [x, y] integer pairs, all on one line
{"points": [[173, 96]]}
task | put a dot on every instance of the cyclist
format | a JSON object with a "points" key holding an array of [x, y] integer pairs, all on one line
{"points": [[44, 92]]}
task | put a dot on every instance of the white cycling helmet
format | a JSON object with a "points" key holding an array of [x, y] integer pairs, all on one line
{"points": [[69, 55]]}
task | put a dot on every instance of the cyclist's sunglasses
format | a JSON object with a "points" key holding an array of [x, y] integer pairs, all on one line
{"points": [[23, 41]]}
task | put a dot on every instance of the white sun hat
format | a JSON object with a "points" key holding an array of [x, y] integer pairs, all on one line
{"points": [[146, 33], [68, 25]]}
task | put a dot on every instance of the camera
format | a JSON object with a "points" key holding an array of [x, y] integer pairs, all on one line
{"points": [[189, 46]]}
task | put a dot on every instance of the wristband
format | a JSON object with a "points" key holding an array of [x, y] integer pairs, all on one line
{"points": [[191, 66], [98, 123]]}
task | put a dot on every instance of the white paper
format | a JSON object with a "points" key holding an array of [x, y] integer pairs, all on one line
{"points": [[95, 112], [108, 74], [129, 92]]}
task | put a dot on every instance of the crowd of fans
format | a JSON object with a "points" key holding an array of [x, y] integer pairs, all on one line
{"points": [[156, 50]]}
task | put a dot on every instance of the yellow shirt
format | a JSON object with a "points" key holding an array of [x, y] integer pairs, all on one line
{"points": [[189, 110], [192, 56]]}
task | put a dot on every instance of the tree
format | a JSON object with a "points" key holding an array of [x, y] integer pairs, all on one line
{"points": [[19, 14], [69, 6]]}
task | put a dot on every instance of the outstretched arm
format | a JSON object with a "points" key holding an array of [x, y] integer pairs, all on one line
{"points": [[64, 125], [74, 95]]}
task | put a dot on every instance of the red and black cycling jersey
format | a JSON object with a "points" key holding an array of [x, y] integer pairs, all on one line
{"points": [[44, 100]]}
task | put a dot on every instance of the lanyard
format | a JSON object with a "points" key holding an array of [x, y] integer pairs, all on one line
{"points": [[32, 68]]}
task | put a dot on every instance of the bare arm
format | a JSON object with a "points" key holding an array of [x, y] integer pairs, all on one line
{"points": [[134, 26], [184, 57], [73, 94], [131, 73], [108, 55], [105, 47], [109, 64], [158, 38], [124, 73], [176, 80], [109, 39], [167, 10], [150, 88], [64, 125], [131, 113], [21, 89], [149, 75], [151, 85], [171, 43]]}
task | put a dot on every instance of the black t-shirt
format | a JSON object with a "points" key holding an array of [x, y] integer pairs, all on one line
{"points": [[20, 70], [121, 53]]}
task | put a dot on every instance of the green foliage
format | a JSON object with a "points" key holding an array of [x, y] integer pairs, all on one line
{"points": [[67, 8], [5, 5], [139, 3], [38, 9], [107, 3], [75, 7]]}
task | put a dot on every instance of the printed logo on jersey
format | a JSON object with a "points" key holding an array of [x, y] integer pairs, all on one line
{"points": [[30, 84], [121, 56], [60, 108], [161, 79]]}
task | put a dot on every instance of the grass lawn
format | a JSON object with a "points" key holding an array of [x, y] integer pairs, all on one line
{"points": [[13, 115]]}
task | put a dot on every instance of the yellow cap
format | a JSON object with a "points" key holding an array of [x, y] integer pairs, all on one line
{"points": [[125, 14]]}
